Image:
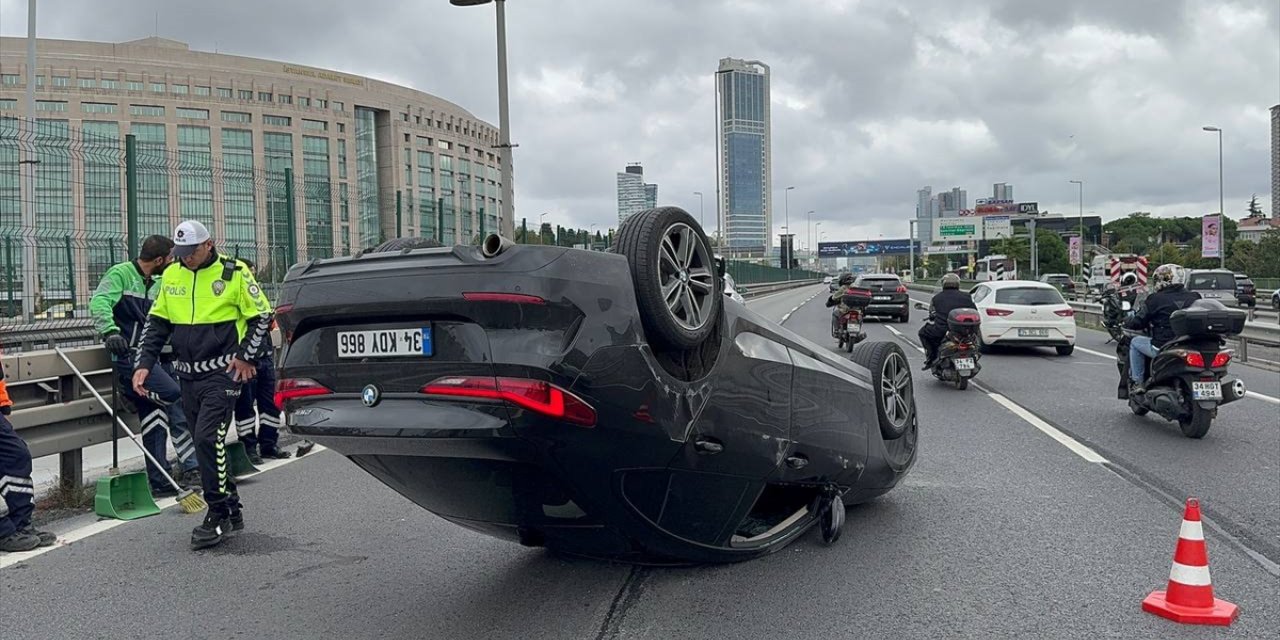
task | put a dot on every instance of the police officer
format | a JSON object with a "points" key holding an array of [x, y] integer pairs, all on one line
{"points": [[17, 491], [943, 303], [218, 320], [119, 307], [259, 393]]}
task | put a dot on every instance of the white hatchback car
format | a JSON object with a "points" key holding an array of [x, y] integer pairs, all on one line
{"points": [[1026, 314]]}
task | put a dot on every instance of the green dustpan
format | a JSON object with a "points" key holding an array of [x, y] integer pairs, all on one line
{"points": [[125, 497], [122, 496], [238, 460]]}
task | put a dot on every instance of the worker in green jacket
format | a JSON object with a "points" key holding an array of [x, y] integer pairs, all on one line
{"points": [[119, 307]]}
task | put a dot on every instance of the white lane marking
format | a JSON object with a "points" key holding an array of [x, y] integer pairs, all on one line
{"points": [[1096, 353], [1030, 418], [93, 529], [1067, 441], [786, 316]]}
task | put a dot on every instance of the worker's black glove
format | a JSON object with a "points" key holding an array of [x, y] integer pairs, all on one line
{"points": [[116, 344], [6, 409]]}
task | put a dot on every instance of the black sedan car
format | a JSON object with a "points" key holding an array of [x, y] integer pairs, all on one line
{"points": [[603, 404], [889, 295]]}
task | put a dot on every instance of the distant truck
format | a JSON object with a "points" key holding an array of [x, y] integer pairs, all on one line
{"points": [[1132, 270]]}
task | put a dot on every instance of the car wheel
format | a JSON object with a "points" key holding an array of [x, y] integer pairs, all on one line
{"points": [[906, 315], [891, 383], [1066, 350], [680, 296]]}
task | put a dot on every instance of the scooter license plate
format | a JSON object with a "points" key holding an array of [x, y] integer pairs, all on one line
{"points": [[853, 327], [963, 364], [1206, 390]]}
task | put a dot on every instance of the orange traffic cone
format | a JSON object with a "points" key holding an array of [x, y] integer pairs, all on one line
{"points": [[1189, 597]]}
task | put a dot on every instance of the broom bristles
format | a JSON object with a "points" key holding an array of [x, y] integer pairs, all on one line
{"points": [[191, 502]]}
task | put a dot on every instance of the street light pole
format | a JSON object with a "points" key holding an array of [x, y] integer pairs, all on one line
{"points": [[29, 277], [817, 231], [701, 220], [507, 210], [1222, 213], [786, 203], [1080, 266], [808, 234], [540, 226]]}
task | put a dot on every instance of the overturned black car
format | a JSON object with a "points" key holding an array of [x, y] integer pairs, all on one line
{"points": [[604, 404]]}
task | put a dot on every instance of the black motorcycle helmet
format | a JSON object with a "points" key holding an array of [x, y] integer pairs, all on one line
{"points": [[846, 279]]}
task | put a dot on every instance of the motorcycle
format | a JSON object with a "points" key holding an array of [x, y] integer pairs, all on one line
{"points": [[1187, 380], [846, 325], [958, 354]]}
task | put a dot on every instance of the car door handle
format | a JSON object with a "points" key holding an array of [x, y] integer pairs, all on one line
{"points": [[708, 446], [797, 462]]}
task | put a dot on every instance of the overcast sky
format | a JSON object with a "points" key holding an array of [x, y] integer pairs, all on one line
{"points": [[871, 99]]}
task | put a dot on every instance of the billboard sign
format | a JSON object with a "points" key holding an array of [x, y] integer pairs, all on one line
{"points": [[996, 207], [956, 229], [1073, 249], [1029, 208], [865, 248], [1211, 236], [995, 227]]}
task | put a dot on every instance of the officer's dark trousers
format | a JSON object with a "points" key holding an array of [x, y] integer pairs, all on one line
{"points": [[16, 488], [259, 392], [209, 400]]}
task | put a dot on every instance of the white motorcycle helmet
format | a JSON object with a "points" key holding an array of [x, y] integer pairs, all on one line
{"points": [[1166, 275]]}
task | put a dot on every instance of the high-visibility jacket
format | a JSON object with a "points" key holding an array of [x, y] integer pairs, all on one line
{"points": [[210, 315], [122, 300], [4, 392]]}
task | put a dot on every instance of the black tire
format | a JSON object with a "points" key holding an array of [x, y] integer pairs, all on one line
{"points": [[905, 317], [645, 238], [1066, 350], [962, 384], [849, 344], [891, 385], [1197, 424], [1137, 409]]}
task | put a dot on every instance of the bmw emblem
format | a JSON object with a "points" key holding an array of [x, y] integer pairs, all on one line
{"points": [[370, 395]]}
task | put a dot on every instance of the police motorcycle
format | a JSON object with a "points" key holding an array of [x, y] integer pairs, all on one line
{"points": [[1187, 380], [958, 354], [846, 319]]}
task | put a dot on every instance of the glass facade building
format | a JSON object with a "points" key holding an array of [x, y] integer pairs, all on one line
{"points": [[743, 156], [214, 137]]}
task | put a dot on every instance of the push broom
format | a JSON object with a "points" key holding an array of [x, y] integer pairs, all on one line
{"points": [[190, 501]]}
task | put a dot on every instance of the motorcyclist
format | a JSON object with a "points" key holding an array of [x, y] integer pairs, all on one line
{"points": [[845, 282], [1170, 295], [943, 303]]}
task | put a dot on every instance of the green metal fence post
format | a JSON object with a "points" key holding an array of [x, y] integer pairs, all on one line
{"points": [[440, 220], [71, 272], [292, 251], [8, 270], [399, 219], [131, 193]]}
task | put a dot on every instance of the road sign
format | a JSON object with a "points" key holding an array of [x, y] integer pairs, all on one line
{"points": [[957, 229], [994, 227]]}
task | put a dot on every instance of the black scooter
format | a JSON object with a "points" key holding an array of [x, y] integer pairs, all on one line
{"points": [[958, 354], [1187, 380]]}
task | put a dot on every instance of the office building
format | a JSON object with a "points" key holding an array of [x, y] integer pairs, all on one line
{"points": [[634, 195], [951, 203], [1002, 191], [743, 156], [215, 133]]}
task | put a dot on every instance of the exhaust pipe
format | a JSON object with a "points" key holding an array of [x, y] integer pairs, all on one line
{"points": [[495, 244]]}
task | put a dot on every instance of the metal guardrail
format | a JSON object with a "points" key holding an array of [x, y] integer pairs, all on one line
{"points": [[756, 290]]}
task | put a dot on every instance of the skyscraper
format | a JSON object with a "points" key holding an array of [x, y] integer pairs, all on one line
{"points": [[634, 195], [1275, 162], [1002, 191], [925, 204], [950, 203], [743, 157]]}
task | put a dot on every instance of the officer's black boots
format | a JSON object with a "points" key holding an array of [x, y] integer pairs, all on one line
{"points": [[216, 527]]}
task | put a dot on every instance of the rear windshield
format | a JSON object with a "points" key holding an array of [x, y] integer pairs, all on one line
{"points": [[1028, 296], [1211, 281], [884, 281]]}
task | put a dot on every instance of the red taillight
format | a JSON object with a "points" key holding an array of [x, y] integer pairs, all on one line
{"points": [[968, 317], [992, 311], [1066, 313], [534, 395], [902, 288], [1222, 359], [1194, 359], [509, 298], [289, 388], [962, 347]]}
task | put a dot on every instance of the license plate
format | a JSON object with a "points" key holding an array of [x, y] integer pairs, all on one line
{"points": [[1033, 333], [1206, 390], [963, 364], [881, 298], [852, 327], [385, 343]]}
